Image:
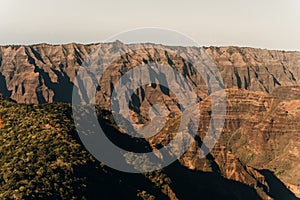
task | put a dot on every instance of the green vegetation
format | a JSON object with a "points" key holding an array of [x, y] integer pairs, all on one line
{"points": [[39, 154], [248, 158], [279, 172], [43, 158]]}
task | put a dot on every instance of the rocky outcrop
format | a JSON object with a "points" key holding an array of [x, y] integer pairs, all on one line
{"points": [[45, 73], [261, 130], [257, 69]]}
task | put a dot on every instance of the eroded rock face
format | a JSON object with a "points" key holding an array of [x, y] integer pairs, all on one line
{"points": [[257, 69], [261, 132], [262, 123], [269, 139], [45, 73], [41, 73]]}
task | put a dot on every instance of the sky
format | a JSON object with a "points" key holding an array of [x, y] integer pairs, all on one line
{"points": [[271, 24]]}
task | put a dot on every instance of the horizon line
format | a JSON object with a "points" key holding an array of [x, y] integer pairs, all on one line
{"points": [[153, 43]]}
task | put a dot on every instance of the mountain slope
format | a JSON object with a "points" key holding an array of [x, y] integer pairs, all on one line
{"points": [[42, 157], [45, 73], [257, 154]]}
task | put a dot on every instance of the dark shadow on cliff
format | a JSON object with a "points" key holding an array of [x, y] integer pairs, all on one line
{"points": [[191, 184], [277, 189], [106, 183], [3, 87], [62, 89], [187, 184]]}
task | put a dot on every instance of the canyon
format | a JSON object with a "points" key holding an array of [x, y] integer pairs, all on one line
{"points": [[259, 146]]}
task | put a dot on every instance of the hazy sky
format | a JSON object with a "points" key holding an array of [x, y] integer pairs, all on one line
{"points": [[269, 24]]}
